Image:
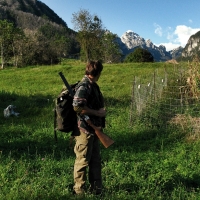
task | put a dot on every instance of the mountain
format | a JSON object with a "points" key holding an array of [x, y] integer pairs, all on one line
{"points": [[48, 37], [176, 53], [192, 47], [130, 40], [30, 14]]}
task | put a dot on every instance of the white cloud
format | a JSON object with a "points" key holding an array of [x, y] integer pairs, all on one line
{"points": [[169, 46], [179, 37], [190, 21], [158, 30], [170, 35], [183, 34]]}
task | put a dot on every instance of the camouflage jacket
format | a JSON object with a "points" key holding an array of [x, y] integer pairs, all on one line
{"points": [[88, 94]]}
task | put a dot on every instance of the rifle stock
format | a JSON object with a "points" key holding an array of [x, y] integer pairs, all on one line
{"points": [[105, 140]]}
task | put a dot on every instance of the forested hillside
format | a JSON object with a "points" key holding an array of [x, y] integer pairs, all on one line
{"points": [[32, 34], [30, 14]]}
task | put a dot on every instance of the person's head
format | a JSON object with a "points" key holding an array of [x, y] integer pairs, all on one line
{"points": [[93, 68]]}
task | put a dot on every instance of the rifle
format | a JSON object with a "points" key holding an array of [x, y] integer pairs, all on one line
{"points": [[105, 140]]}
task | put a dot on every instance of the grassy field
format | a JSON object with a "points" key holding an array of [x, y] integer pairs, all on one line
{"points": [[143, 163]]}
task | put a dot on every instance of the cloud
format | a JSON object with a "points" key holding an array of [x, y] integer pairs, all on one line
{"points": [[190, 21], [183, 33], [169, 46], [158, 30], [178, 37]]}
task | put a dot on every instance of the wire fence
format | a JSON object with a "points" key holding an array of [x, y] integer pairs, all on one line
{"points": [[168, 98]]}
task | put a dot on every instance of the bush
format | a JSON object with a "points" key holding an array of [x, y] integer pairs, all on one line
{"points": [[139, 55]]}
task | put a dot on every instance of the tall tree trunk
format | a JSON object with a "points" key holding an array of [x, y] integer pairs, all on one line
{"points": [[2, 58], [15, 55]]}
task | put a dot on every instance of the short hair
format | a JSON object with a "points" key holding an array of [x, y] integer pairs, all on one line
{"points": [[93, 68]]}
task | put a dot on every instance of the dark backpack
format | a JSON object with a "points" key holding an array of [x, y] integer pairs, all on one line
{"points": [[65, 119]]}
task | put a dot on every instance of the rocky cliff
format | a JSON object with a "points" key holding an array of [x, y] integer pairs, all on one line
{"points": [[192, 47], [130, 40]]}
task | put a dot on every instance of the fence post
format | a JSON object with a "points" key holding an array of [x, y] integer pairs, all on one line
{"points": [[154, 86], [132, 102]]}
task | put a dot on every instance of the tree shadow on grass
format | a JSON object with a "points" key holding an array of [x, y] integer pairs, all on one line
{"points": [[189, 184], [16, 135], [142, 141], [27, 106], [18, 147]]}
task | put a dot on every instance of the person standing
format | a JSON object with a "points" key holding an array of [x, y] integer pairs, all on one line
{"points": [[89, 104]]}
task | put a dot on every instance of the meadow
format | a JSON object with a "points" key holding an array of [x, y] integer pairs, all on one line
{"points": [[144, 163]]}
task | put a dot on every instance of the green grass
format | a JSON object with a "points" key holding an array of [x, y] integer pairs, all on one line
{"points": [[143, 163]]}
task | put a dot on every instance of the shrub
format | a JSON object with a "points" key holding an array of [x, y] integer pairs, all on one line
{"points": [[139, 55]]}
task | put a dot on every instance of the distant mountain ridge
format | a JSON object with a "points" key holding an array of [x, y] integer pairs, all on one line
{"points": [[130, 40], [29, 14]]}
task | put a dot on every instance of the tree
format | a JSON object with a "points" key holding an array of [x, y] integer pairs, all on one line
{"points": [[90, 31], [6, 35], [111, 50], [139, 55], [38, 50], [17, 46], [57, 39], [95, 41], [11, 42]]}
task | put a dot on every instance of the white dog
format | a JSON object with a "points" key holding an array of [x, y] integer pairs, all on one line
{"points": [[10, 111]]}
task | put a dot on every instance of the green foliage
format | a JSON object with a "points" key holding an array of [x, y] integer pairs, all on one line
{"points": [[110, 48], [95, 41], [47, 42], [143, 163], [35, 7], [89, 33], [10, 38], [34, 17], [47, 46], [59, 42], [139, 55]]}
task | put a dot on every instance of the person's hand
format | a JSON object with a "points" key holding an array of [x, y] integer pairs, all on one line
{"points": [[101, 112]]}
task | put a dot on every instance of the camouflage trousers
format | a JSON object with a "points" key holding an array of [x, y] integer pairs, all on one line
{"points": [[88, 160]]}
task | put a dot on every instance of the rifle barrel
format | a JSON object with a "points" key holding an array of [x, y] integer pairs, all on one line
{"points": [[66, 83]]}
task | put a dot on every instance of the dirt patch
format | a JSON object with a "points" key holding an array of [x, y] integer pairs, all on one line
{"points": [[173, 61]]}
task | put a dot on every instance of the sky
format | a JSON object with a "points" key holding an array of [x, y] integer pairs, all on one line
{"points": [[166, 22]]}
